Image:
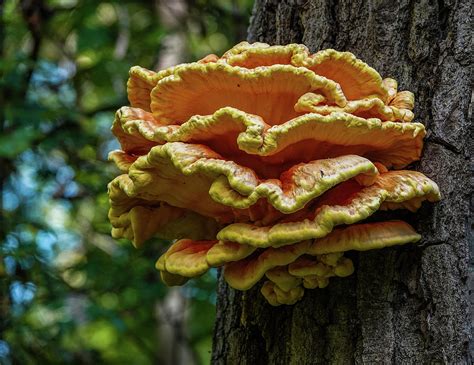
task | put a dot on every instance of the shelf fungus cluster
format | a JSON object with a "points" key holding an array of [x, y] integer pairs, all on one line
{"points": [[267, 162]]}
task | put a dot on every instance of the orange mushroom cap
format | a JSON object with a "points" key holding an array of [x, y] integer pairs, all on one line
{"points": [[214, 185], [282, 278], [191, 258], [277, 296], [365, 108], [270, 92], [247, 139], [347, 203], [244, 266], [139, 219], [244, 274], [357, 79], [286, 284]]}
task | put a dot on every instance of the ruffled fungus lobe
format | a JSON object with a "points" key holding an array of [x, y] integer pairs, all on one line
{"points": [[266, 161]]}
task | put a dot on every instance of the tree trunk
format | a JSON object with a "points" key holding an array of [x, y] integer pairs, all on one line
{"points": [[403, 305]]}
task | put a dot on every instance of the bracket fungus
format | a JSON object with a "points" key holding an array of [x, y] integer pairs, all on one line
{"points": [[267, 161]]}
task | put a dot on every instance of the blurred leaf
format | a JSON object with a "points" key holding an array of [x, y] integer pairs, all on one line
{"points": [[12, 144]]}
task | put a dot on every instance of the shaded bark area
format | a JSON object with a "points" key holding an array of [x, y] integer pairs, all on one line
{"points": [[403, 305]]}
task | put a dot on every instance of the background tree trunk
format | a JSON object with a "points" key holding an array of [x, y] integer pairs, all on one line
{"points": [[403, 305]]}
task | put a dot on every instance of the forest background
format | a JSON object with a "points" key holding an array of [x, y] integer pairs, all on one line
{"points": [[69, 292]]}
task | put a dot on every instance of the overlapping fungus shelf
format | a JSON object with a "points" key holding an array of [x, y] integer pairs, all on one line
{"points": [[251, 161]]}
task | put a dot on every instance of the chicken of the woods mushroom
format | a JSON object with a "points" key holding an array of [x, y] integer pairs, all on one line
{"points": [[267, 162]]}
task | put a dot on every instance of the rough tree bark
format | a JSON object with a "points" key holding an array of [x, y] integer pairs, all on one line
{"points": [[403, 305]]}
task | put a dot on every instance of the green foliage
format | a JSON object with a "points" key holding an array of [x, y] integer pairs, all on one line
{"points": [[70, 294]]}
